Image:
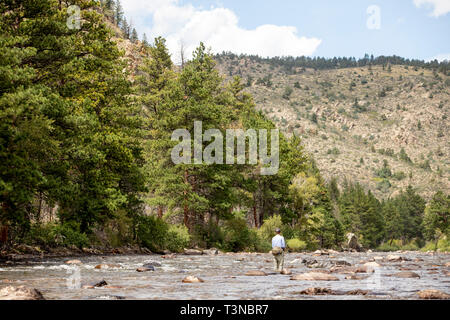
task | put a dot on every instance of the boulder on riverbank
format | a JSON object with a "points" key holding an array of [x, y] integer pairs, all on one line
{"points": [[20, 293], [211, 252], [352, 242], [193, 252]]}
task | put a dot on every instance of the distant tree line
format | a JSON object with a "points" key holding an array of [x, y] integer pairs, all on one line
{"points": [[290, 64]]}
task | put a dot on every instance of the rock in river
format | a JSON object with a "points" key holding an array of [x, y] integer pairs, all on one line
{"points": [[314, 276], [145, 269], [150, 264], [20, 293], [286, 272], [433, 294], [107, 266], [406, 274], [316, 292], [192, 279], [73, 262], [255, 273], [372, 265], [100, 284], [393, 258]]}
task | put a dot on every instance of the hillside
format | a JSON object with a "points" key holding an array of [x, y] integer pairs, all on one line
{"points": [[355, 121]]}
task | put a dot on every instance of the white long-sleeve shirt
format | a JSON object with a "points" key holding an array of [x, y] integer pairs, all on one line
{"points": [[278, 241]]}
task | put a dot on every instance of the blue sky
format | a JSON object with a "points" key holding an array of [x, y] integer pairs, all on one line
{"points": [[408, 28]]}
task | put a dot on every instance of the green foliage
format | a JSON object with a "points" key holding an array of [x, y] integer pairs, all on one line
{"points": [[361, 214], [437, 216], [442, 245], [56, 235], [404, 215], [237, 235], [296, 245], [267, 230], [287, 93], [66, 117], [152, 233], [178, 238]]}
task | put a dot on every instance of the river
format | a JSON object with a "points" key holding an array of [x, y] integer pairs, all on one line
{"points": [[224, 277]]}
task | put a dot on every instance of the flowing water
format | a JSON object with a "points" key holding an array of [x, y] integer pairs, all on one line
{"points": [[224, 277]]}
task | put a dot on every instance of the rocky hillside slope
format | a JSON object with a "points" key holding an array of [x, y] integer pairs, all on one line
{"points": [[384, 126]]}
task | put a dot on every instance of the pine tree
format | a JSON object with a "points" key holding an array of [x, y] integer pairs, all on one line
{"points": [[437, 214], [118, 14], [90, 165], [134, 36]]}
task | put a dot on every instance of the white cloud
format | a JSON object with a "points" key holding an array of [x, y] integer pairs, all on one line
{"points": [[440, 57], [440, 7], [218, 28]]}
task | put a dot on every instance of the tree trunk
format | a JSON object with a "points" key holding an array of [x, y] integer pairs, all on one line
{"points": [[186, 209], [160, 212], [3, 234], [255, 217]]}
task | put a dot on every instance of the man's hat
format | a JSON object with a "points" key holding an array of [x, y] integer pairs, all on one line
{"points": [[277, 230]]}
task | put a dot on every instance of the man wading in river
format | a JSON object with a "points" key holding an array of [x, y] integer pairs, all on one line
{"points": [[278, 247]]}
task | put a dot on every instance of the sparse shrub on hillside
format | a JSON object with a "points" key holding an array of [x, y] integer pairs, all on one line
{"points": [[400, 175], [287, 93], [334, 151]]}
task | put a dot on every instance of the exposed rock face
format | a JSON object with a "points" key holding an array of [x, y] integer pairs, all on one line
{"points": [[352, 242], [406, 274], [255, 273], [433, 294], [447, 264], [192, 279], [20, 293], [314, 276]]}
